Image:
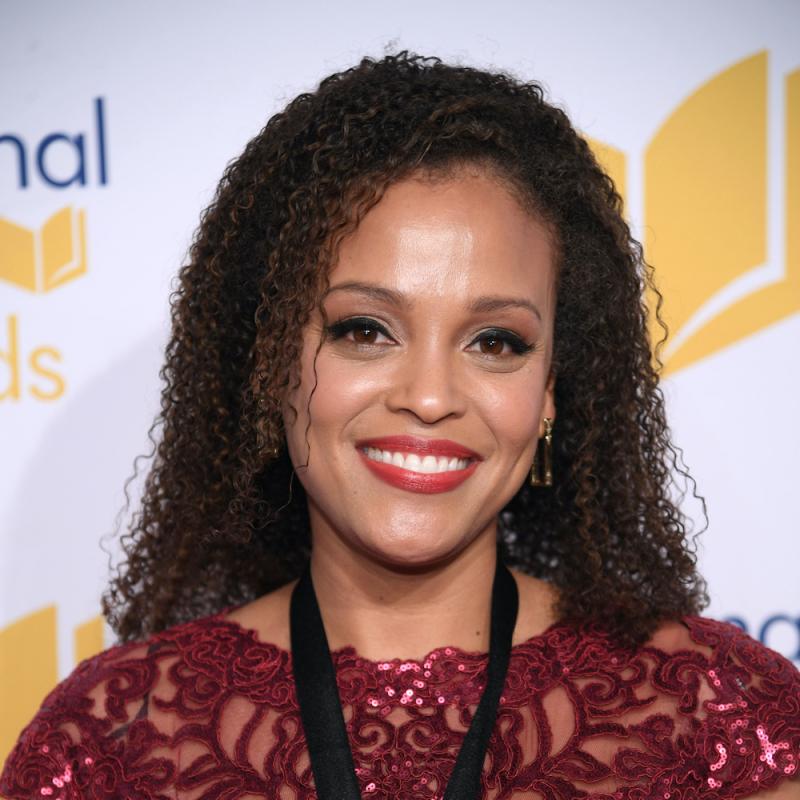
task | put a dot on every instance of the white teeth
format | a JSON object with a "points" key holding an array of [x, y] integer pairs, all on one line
{"points": [[411, 461]]}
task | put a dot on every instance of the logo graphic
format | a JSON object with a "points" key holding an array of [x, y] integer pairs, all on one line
{"points": [[67, 151], [704, 214], [39, 260], [25, 375], [44, 259]]}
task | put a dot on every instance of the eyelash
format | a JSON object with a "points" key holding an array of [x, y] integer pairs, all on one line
{"points": [[339, 329]]}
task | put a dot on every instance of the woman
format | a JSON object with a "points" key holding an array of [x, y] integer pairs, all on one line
{"points": [[410, 344]]}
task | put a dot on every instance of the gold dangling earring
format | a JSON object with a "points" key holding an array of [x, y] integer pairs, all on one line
{"points": [[547, 478]]}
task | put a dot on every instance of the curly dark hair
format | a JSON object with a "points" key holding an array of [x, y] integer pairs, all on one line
{"points": [[221, 521]]}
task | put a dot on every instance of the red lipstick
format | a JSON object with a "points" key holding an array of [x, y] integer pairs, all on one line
{"points": [[422, 447], [426, 483]]}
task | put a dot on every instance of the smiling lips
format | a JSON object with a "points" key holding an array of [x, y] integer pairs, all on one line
{"points": [[418, 465]]}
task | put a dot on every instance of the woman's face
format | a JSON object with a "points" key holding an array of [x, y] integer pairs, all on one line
{"points": [[440, 323]]}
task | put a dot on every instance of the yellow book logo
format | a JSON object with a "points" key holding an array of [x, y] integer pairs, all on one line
{"points": [[45, 259], [705, 176]]}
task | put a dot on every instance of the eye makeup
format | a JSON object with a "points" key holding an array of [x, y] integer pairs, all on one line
{"points": [[338, 330]]}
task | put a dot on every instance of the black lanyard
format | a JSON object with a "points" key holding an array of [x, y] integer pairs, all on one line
{"points": [[320, 705]]}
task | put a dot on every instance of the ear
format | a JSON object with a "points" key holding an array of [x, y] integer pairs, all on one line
{"points": [[549, 406]]}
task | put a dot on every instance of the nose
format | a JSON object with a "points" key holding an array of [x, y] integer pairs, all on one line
{"points": [[429, 384]]}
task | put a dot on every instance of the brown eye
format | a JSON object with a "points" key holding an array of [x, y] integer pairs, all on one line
{"points": [[493, 345], [364, 335], [359, 331]]}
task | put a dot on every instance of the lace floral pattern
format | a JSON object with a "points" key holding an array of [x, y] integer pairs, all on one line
{"points": [[206, 710]]}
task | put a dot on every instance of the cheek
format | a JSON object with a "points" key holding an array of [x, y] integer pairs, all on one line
{"points": [[338, 390], [342, 390], [512, 410]]}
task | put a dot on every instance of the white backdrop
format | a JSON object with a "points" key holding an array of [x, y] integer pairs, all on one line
{"points": [[135, 108]]}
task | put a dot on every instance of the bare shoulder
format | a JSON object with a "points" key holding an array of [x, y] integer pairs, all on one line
{"points": [[267, 616]]}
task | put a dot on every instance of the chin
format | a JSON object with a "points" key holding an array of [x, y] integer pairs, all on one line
{"points": [[411, 554]]}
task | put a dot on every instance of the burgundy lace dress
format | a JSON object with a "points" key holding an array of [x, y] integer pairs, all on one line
{"points": [[207, 710]]}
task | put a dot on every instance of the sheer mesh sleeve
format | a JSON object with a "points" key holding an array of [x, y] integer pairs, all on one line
{"points": [[92, 738], [749, 735]]}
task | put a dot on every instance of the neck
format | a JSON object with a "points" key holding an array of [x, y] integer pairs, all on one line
{"points": [[385, 613]]}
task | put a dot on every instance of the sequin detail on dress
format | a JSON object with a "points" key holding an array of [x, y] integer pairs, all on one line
{"points": [[205, 710]]}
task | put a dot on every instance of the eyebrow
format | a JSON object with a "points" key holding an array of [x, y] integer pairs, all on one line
{"points": [[479, 305]]}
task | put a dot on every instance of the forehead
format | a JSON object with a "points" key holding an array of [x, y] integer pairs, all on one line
{"points": [[450, 239]]}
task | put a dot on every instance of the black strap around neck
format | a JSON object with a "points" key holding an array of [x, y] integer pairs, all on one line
{"points": [[320, 705]]}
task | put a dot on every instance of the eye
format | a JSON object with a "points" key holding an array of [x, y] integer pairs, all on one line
{"points": [[364, 330], [497, 339]]}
